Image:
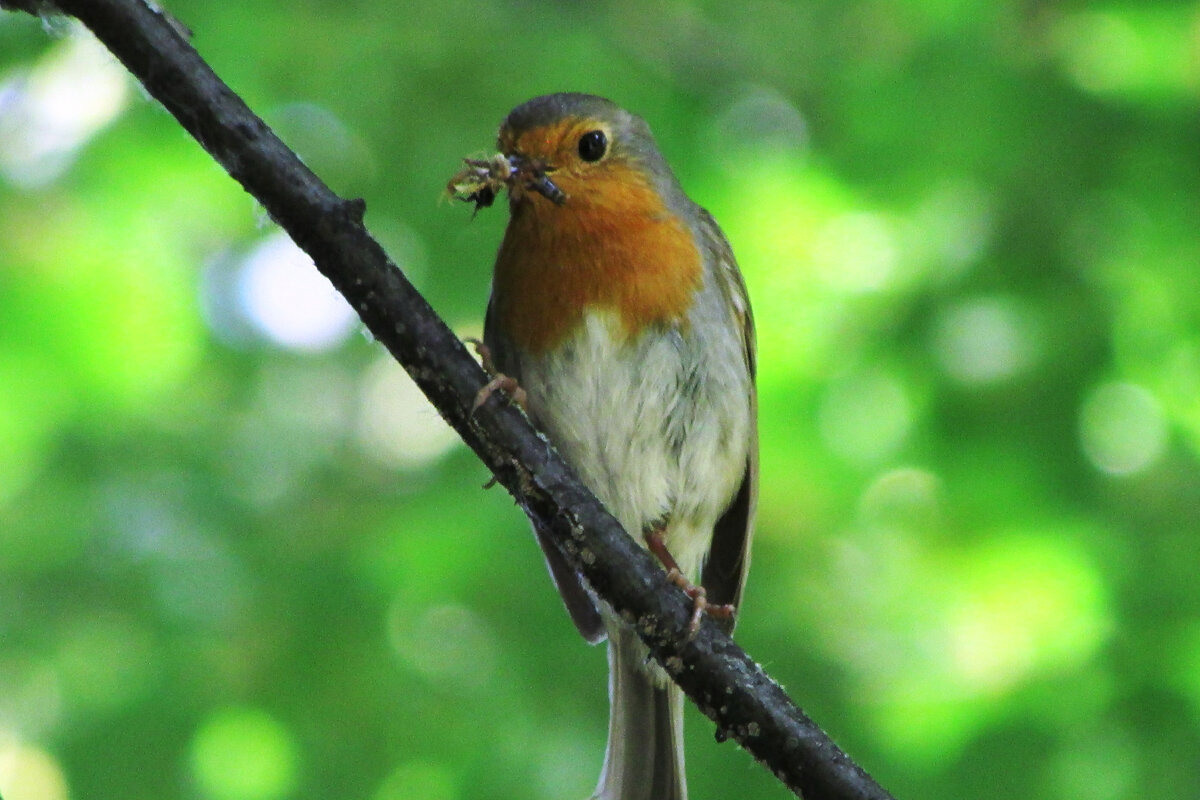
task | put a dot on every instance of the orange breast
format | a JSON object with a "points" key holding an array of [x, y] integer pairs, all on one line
{"points": [[613, 246]]}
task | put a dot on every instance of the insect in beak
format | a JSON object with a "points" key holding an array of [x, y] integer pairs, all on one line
{"points": [[481, 179], [534, 174], [548, 189]]}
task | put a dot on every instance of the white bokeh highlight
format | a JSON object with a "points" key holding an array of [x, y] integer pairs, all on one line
{"points": [[1122, 428], [50, 111], [397, 427], [985, 340], [288, 301], [856, 253]]}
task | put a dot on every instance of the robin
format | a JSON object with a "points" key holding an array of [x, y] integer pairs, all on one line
{"points": [[619, 310]]}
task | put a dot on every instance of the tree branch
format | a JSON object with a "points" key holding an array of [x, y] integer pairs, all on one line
{"points": [[746, 704]]}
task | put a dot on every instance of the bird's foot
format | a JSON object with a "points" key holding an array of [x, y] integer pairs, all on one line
{"points": [[515, 392], [700, 604], [499, 380], [485, 354]]}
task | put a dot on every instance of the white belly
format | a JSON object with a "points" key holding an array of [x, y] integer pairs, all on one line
{"points": [[657, 427]]}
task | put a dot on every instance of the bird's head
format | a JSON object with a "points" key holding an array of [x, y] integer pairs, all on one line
{"points": [[569, 148]]}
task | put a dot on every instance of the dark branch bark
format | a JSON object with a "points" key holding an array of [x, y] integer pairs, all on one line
{"points": [[717, 674]]}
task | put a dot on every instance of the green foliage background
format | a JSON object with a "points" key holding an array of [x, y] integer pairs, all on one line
{"points": [[233, 568]]}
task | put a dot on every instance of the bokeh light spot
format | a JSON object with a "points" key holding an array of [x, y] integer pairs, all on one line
{"points": [[907, 498], [31, 694], [944, 636], [48, 113], [446, 644], [301, 413], [865, 418], [985, 340], [29, 773], [326, 143], [1139, 49], [855, 252], [243, 754], [1122, 428], [397, 427], [758, 122], [1026, 604], [949, 230], [772, 213], [33, 402], [289, 301], [1101, 51]]}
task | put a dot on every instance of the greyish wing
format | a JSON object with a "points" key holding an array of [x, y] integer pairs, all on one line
{"points": [[569, 583], [725, 568]]}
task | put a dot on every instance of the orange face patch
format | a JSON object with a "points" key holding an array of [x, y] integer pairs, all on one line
{"points": [[556, 145]]}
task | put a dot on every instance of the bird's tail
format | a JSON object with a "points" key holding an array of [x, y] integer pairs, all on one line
{"points": [[644, 759]]}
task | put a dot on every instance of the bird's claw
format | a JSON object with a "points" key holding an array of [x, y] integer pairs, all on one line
{"points": [[700, 604], [485, 354], [499, 380], [510, 385]]}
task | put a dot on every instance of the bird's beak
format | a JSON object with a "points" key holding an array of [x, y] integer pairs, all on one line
{"points": [[533, 174]]}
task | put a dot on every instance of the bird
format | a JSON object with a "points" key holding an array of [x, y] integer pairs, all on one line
{"points": [[619, 315]]}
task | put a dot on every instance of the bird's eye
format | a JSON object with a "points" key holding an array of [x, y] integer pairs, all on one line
{"points": [[593, 145]]}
